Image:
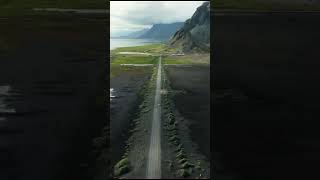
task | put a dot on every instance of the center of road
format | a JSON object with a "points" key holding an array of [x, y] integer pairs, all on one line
{"points": [[154, 157]]}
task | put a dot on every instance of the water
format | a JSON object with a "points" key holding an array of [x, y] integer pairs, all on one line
{"points": [[117, 42]]}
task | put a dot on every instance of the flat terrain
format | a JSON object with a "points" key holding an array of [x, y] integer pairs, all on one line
{"points": [[266, 97], [56, 65], [126, 83], [147, 147], [194, 104]]}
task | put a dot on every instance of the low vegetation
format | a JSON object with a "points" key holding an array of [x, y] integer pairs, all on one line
{"points": [[117, 69], [152, 48], [122, 167], [186, 59], [173, 60], [133, 59]]}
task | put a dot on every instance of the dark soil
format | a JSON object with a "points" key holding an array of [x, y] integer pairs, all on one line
{"points": [[124, 107], [58, 68], [266, 98], [194, 104]]}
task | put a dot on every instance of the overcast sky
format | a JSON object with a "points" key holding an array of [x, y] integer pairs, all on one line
{"points": [[128, 16]]}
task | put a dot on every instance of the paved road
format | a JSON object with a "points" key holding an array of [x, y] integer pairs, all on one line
{"points": [[154, 158]]}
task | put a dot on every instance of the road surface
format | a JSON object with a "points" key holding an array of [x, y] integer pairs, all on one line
{"points": [[154, 157]]}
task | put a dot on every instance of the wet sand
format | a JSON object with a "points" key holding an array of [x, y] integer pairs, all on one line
{"points": [[57, 65], [266, 97], [195, 104]]}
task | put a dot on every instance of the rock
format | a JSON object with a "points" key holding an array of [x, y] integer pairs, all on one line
{"points": [[195, 34], [187, 165], [122, 167], [122, 162], [181, 155], [183, 173], [121, 171], [173, 138], [183, 160]]}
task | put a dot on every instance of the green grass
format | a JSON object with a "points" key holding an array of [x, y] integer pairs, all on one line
{"points": [[152, 48], [177, 61], [116, 69], [254, 5], [125, 59]]}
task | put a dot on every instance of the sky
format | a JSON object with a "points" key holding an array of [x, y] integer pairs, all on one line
{"points": [[130, 16]]}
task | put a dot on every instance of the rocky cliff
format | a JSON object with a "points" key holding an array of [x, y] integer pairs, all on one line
{"points": [[195, 34]]}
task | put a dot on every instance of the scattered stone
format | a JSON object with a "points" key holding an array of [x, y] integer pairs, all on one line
{"points": [[183, 173], [121, 171], [187, 165], [173, 138], [183, 160], [181, 155]]}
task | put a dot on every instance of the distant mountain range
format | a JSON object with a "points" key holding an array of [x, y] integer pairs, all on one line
{"points": [[162, 31], [190, 36], [195, 34], [158, 31], [137, 34]]}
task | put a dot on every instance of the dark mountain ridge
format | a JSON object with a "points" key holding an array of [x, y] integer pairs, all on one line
{"points": [[162, 31], [195, 34]]}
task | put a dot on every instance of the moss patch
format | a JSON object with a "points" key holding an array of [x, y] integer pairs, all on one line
{"points": [[127, 59], [151, 48], [183, 173], [122, 167]]}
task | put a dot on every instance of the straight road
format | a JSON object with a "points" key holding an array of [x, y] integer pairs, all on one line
{"points": [[154, 157]]}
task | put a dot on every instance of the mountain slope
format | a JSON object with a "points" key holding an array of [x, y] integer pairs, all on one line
{"points": [[195, 34], [138, 33], [162, 31]]}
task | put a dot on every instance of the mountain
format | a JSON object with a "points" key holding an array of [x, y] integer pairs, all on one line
{"points": [[162, 31], [137, 34], [195, 34]]}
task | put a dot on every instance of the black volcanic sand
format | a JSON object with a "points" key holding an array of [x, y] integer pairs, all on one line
{"points": [[57, 65], [194, 104], [123, 108], [266, 96]]}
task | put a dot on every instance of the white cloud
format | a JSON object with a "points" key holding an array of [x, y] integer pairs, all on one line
{"points": [[128, 16]]}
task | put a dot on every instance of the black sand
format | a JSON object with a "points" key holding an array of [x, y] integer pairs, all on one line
{"points": [[265, 70], [57, 64], [124, 107], [195, 104]]}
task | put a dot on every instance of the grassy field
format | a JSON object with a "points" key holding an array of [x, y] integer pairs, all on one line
{"points": [[155, 49], [177, 61], [254, 5], [133, 59], [152, 48], [187, 59]]}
